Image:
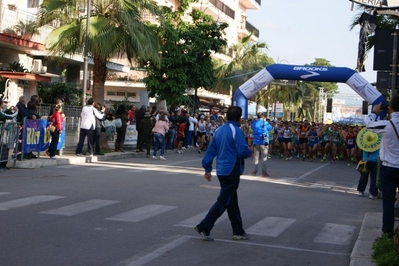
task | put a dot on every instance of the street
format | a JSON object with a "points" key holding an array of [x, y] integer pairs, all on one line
{"points": [[140, 211]]}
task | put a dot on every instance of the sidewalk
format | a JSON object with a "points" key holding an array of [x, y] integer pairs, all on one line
{"points": [[370, 230]]}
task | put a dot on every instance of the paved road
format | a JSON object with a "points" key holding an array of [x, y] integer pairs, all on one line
{"points": [[140, 211]]}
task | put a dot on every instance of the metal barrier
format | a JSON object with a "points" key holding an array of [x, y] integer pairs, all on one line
{"points": [[9, 132]]}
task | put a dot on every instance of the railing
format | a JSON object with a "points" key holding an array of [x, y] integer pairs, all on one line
{"points": [[249, 27], [9, 18], [222, 7], [8, 140]]}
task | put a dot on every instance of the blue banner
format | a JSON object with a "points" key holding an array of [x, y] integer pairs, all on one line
{"points": [[37, 138]]}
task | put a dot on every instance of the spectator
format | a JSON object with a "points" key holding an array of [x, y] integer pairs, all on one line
{"points": [[98, 129], [23, 112], [389, 155], [174, 118], [260, 129], [160, 128], [131, 114], [8, 114], [191, 128], [372, 166], [145, 127], [87, 126], [121, 132], [139, 116], [56, 120], [181, 132]]}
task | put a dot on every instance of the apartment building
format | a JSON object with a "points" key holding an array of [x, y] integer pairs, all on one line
{"points": [[123, 80]]}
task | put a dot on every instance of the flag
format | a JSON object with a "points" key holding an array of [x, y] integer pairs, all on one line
{"points": [[368, 25]]}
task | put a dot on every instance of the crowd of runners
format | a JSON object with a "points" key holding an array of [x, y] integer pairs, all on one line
{"points": [[291, 139], [310, 141]]}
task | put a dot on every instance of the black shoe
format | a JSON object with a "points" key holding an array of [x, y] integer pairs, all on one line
{"points": [[99, 153]]}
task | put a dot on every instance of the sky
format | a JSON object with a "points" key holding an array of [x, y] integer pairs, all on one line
{"points": [[298, 31]]}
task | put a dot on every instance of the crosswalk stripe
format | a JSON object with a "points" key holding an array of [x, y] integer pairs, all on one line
{"points": [[4, 193], [339, 234], [135, 171], [81, 207], [270, 226], [12, 204], [193, 221], [102, 168], [142, 213]]}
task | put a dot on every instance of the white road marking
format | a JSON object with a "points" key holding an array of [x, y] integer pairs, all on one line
{"points": [[270, 226], [159, 252], [81, 207], [102, 168], [312, 171], [323, 184], [338, 234], [193, 221], [26, 202], [142, 213]]}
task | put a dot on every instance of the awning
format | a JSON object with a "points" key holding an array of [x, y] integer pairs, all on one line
{"points": [[24, 76]]}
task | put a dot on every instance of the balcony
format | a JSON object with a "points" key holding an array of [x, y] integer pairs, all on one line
{"points": [[251, 4], [224, 8], [246, 29], [11, 16]]}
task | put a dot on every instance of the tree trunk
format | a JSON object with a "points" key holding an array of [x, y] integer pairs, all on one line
{"points": [[99, 77]]}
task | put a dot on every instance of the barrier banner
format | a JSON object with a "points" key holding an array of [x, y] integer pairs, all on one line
{"points": [[36, 138]]}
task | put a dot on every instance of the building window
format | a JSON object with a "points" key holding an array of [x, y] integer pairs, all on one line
{"points": [[33, 3], [111, 93], [131, 94], [121, 93]]}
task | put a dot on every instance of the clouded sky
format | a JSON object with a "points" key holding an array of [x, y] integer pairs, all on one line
{"points": [[299, 31]]}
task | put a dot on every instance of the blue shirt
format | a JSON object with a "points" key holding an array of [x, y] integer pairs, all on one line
{"points": [[261, 130], [228, 145], [372, 156]]}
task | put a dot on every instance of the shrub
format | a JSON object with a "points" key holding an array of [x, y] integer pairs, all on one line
{"points": [[385, 253], [69, 93]]}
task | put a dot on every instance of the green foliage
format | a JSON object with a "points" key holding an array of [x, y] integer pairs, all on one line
{"points": [[114, 104], [16, 67], [248, 58], [30, 27], [186, 51], [69, 93], [385, 253]]}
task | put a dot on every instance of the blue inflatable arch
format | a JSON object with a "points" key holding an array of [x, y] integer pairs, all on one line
{"points": [[307, 73]]}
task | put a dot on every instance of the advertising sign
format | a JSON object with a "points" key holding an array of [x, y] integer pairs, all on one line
{"points": [[37, 138], [131, 135], [385, 4]]}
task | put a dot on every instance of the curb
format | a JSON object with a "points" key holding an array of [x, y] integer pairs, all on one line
{"points": [[369, 231], [69, 158]]}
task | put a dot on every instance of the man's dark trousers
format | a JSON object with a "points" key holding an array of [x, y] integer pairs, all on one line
{"points": [[227, 199], [389, 183]]}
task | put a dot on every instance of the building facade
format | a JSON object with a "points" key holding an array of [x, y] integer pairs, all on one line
{"points": [[19, 46]]}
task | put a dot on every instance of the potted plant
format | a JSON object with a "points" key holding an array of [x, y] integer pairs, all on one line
{"points": [[26, 30]]}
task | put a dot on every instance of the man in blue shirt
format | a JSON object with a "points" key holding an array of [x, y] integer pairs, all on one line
{"points": [[229, 146], [260, 128]]}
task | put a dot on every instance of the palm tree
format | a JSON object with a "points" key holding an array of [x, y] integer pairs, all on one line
{"points": [[117, 28], [247, 59]]}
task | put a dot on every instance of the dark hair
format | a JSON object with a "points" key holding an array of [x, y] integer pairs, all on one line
{"points": [[32, 105], [121, 110], [234, 113], [35, 98], [98, 106], [395, 103], [90, 101]]}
